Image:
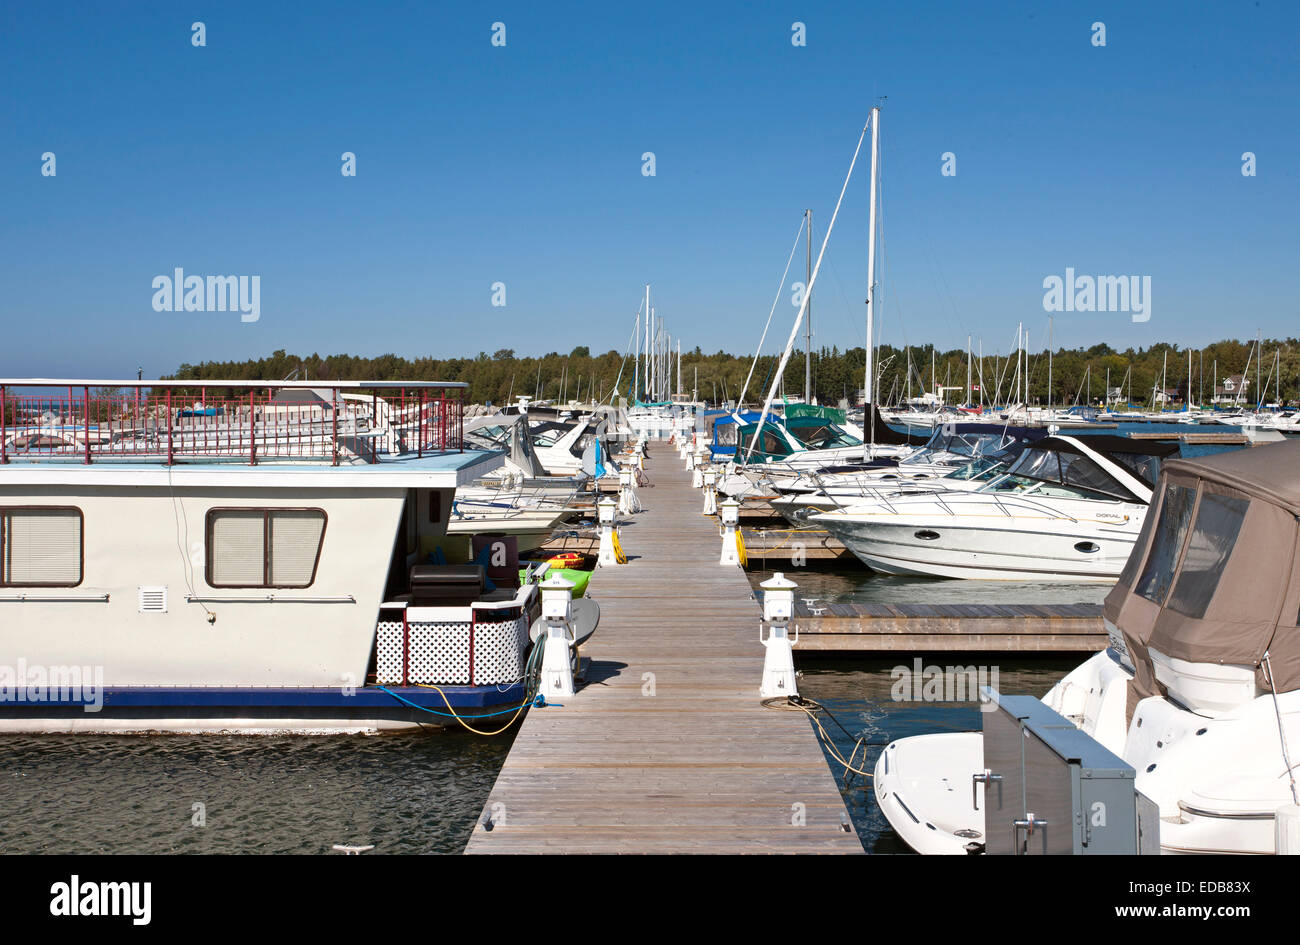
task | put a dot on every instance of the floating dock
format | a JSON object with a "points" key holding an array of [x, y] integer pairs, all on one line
{"points": [[667, 747], [966, 628]]}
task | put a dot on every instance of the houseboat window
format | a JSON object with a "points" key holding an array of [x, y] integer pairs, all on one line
{"points": [[264, 547], [1218, 522], [40, 547], [1175, 514]]}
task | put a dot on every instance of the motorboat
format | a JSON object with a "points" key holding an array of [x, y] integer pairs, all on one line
{"points": [[1198, 690], [1069, 509]]}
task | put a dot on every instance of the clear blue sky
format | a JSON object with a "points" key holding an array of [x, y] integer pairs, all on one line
{"points": [[522, 165]]}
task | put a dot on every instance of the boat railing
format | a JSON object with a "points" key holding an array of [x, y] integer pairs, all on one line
{"points": [[242, 422]]}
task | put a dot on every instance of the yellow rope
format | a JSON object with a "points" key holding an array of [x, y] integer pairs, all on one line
{"points": [[618, 549], [513, 718], [740, 549]]}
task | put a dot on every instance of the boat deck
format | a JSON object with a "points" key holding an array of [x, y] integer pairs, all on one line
{"points": [[667, 748]]}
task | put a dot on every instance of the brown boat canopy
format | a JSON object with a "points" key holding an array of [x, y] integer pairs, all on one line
{"points": [[1214, 576]]}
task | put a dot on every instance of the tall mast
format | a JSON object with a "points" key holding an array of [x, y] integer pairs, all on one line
{"points": [[968, 378], [807, 364], [1049, 362], [871, 272]]}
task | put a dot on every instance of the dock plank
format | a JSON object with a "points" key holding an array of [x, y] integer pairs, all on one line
{"points": [[698, 766]]}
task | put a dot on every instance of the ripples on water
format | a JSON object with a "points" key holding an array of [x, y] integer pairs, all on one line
{"points": [[410, 793]]}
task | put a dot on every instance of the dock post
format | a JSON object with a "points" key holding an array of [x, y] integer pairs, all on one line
{"points": [[608, 553], [710, 492], [731, 533], [697, 467], [557, 657], [778, 663], [684, 445], [626, 484], [640, 453]]}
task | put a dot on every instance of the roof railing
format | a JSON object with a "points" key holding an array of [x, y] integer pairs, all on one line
{"points": [[228, 421]]}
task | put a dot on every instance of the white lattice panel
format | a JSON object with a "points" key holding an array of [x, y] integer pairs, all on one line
{"points": [[388, 656], [499, 651], [440, 652]]}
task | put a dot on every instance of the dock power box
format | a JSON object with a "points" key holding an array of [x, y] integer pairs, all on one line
{"points": [[1049, 788]]}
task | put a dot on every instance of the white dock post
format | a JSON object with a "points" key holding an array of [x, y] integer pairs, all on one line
{"points": [[697, 477], [778, 663], [684, 444], [557, 657], [640, 453], [730, 511], [607, 554], [1286, 829], [626, 483], [710, 492]]}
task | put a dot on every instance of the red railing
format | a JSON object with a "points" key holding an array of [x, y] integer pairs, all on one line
{"points": [[213, 422]]}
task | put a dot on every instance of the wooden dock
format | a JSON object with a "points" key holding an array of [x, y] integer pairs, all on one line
{"points": [[793, 544], [667, 748], [967, 628]]}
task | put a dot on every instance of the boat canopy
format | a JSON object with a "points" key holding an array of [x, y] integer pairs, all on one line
{"points": [[819, 433], [813, 410], [1214, 576]]}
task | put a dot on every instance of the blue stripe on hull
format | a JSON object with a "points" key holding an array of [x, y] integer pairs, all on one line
{"points": [[367, 697]]}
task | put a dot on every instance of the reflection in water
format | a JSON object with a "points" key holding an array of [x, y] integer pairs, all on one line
{"points": [[411, 793], [853, 582]]}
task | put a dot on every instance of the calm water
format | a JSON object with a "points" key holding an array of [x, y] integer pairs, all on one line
{"points": [[417, 793]]}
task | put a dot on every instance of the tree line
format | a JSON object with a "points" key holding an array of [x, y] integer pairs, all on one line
{"points": [[1077, 375]]}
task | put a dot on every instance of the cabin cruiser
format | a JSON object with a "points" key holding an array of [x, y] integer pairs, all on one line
{"points": [[238, 557], [1069, 509], [955, 459], [1199, 688]]}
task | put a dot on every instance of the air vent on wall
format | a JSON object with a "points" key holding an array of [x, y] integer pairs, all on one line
{"points": [[153, 600]]}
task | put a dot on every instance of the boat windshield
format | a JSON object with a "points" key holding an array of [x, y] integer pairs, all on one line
{"points": [[1055, 473], [979, 470], [968, 444], [818, 434]]}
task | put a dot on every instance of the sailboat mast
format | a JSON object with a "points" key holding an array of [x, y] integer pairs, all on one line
{"points": [[968, 378], [868, 420], [807, 363], [1049, 362]]}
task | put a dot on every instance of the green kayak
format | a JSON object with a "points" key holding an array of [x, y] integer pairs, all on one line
{"points": [[578, 579]]}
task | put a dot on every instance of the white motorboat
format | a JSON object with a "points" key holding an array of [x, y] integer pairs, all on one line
{"points": [[1069, 509], [1199, 689]]}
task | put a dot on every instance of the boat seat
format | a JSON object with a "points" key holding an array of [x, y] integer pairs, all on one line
{"points": [[443, 585]]}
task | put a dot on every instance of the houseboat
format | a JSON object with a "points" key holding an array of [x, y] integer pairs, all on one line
{"points": [[250, 557]]}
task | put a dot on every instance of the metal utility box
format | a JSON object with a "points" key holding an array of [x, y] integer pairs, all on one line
{"points": [[1049, 788]]}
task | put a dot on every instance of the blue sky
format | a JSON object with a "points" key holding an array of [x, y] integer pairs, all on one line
{"points": [[478, 164]]}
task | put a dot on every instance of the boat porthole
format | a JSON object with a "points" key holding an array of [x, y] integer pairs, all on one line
{"points": [[1160, 744], [926, 534], [966, 833], [1150, 768], [1201, 731], [931, 826], [1087, 547]]}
